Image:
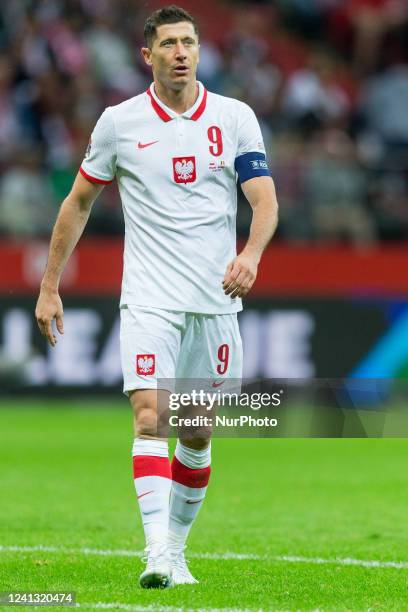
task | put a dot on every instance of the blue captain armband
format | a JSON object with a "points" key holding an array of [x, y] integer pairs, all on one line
{"points": [[250, 165]]}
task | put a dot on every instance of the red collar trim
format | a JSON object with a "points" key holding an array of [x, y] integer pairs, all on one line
{"points": [[166, 117], [197, 114], [159, 110]]}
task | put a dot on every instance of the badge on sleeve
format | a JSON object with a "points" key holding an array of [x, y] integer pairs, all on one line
{"points": [[88, 148]]}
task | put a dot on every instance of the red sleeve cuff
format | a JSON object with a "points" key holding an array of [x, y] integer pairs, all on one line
{"points": [[92, 179]]}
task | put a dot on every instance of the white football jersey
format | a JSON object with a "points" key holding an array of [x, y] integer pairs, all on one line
{"points": [[177, 180]]}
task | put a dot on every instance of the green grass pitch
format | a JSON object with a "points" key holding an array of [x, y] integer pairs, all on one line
{"points": [[66, 484]]}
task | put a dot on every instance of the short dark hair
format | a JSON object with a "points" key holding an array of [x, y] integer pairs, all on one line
{"points": [[167, 14]]}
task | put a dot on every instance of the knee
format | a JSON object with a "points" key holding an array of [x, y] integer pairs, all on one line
{"points": [[146, 423], [145, 415]]}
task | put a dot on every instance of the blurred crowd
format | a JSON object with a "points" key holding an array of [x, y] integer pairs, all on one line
{"points": [[328, 80]]}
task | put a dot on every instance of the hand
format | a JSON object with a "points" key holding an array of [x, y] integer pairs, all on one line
{"points": [[240, 275], [49, 307]]}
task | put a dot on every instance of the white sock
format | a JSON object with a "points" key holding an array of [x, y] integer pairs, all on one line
{"points": [[152, 475], [190, 474]]}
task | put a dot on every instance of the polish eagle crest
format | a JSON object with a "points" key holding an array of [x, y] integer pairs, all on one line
{"points": [[184, 169], [145, 364]]}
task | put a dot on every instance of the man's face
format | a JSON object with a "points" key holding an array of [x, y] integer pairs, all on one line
{"points": [[174, 54]]}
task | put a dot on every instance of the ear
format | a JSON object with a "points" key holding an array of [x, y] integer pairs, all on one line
{"points": [[146, 54]]}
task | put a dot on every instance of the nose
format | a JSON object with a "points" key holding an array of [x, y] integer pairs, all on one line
{"points": [[180, 51]]}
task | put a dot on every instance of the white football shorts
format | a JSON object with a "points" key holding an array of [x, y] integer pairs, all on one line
{"points": [[161, 347]]}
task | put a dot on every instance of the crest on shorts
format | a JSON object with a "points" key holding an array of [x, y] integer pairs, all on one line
{"points": [[184, 169], [145, 365]]}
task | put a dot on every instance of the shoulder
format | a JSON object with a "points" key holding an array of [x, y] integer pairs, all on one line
{"points": [[126, 115], [230, 105], [116, 119], [130, 106]]}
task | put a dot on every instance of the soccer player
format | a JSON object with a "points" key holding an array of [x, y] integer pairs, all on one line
{"points": [[176, 152]]}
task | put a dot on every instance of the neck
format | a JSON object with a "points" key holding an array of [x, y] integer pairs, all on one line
{"points": [[179, 101]]}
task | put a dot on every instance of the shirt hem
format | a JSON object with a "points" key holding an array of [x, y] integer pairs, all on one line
{"points": [[184, 308]]}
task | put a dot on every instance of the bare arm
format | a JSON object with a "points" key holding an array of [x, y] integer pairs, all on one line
{"points": [[68, 228], [241, 273]]}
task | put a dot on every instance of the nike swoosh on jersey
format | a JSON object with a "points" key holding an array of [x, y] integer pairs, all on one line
{"points": [[143, 494], [192, 501], [147, 144], [218, 384]]}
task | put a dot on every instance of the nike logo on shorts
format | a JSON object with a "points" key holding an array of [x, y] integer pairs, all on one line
{"points": [[218, 384]]}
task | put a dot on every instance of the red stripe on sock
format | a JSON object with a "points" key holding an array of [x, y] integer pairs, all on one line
{"points": [[189, 477], [145, 465]]}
